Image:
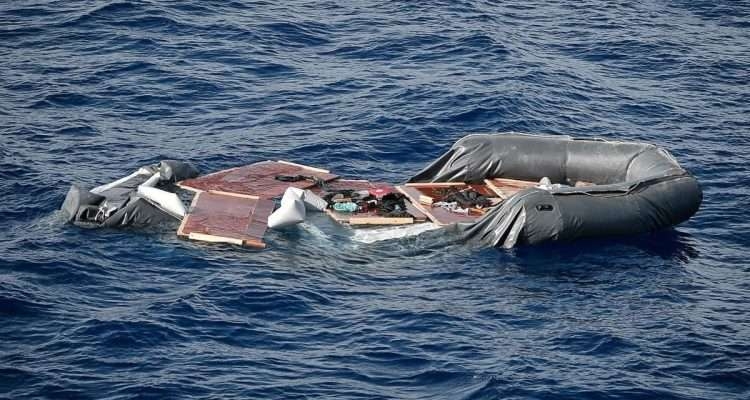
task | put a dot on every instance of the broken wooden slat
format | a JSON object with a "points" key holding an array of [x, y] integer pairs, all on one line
{"points": [[508, 187], [257, 179], [248, 196], [202, 237], [434, 184], [436, 192], [415, 212], [321, 170], [380, 220], [438, 215], [223, 218], [367, 218]]}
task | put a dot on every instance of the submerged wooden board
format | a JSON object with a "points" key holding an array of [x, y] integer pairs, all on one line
{"points": [[257, 179], [508, 187], [226, 218], [436, 191], [368, 218]]}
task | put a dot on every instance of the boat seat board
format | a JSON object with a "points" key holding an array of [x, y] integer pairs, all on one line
{"points": [[258, 179], [439, 215], [508, 187], [227, 218]]}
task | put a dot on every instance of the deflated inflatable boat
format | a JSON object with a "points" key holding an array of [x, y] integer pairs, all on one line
{"points": [[596, 188], [499, 190], [135, 200]]}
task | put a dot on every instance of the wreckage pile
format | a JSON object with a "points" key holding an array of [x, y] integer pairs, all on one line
{"points": [[237, 205], [499, 189], [231, 206]]}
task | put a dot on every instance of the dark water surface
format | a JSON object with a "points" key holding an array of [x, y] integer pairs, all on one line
{"points": [[90, 90]]}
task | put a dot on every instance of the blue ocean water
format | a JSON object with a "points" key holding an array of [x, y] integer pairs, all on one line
{"points": [[90, 90]]}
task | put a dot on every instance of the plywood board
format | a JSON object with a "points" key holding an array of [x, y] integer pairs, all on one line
{"points": [[226, 218], [508, 187], [367, 218], [257, 179], [439, 215]]}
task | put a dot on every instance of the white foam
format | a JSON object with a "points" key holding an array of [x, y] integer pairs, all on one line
{"points": [[379, 234]]}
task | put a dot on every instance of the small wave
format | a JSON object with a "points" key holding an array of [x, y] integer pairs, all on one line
{"points": [[131, 334], [298, 34], [104, 11], [82, 131], [15, 307], [64, 100]]}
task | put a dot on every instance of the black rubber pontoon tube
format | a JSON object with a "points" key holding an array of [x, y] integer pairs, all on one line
{"points": [[119, 204], [637, 187]]}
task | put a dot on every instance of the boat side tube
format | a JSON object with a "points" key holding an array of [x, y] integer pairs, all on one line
{"points": [[633, 187]]}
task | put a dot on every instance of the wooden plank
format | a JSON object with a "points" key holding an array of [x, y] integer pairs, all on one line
{"points": [[415, 212], [187, 187], [213, 238], [320, 170], [427, 200], [495, 189], [437, 215], [434, 184], [246, 196], [258, 179], [505, 187], [380, 220], [367, 218], [339, 217], [222, 218]]}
